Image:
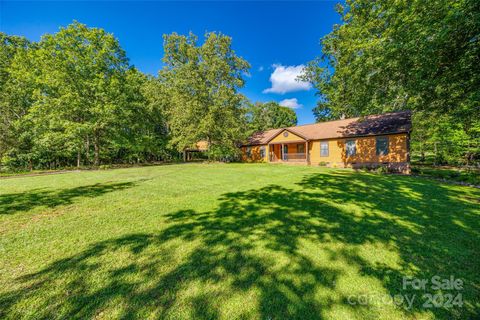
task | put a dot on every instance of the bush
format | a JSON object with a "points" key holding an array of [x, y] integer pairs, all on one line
{"points": [[470, 176], [382, 170]]}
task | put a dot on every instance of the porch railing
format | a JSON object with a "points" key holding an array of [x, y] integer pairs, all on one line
{"points": [[289, 157], [294, 157]]}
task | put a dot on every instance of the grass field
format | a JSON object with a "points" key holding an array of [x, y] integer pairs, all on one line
{"points": [[234, 241]]}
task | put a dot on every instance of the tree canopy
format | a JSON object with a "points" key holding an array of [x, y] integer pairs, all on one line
{"points": [[391, 55], [200, 90], [73, 98], [395, 55], [15, 94], [269, 115]]}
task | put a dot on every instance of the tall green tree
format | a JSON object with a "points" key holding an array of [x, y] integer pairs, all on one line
{"points": [[143, 133], [392, 55], [269, 115], [73, 98], [200, 91], [81, 95], [15, 93]]}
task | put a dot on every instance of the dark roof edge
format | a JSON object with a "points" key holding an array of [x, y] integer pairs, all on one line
{"points": [[351, 118]]}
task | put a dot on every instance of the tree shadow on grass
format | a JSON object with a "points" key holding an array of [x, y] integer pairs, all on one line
{"points": [[11, 203], [272, 253], [436, 232]]}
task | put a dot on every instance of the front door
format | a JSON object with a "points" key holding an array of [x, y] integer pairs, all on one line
{"points": [[285, 152], [276, 151]]}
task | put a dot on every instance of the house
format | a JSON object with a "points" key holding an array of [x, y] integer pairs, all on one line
{"points": [[371, 141]]}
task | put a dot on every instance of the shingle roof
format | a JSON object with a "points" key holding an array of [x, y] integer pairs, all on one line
{"points": [[387, 123]]}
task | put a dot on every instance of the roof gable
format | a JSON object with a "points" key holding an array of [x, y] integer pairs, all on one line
{"points": [[289, 136]]}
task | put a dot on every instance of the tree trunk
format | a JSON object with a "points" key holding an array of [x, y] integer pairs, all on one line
{"points": [[87, 149], [96, 148], [78, 157]]}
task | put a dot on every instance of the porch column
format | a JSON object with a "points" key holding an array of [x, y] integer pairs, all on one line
{"points": [[306, 152]]}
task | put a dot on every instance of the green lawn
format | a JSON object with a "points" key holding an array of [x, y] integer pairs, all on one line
{"points": [[234, 241]]}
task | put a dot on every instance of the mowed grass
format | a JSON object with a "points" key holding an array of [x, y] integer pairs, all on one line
{"points": [[236, 241]]}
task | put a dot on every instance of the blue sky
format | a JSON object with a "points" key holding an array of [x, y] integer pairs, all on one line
{"points": [[277, 38]]}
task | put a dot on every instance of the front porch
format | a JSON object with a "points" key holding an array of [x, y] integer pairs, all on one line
{"points": [[288, 152]]}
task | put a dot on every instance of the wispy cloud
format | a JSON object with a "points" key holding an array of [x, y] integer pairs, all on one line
{"points": [[260, 69], [291, 103], [284, 79]]}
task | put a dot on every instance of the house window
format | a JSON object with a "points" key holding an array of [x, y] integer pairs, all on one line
{"points": [[248, 151], [350, 148], [382, 146], [285, 152], [262, 152], [324, 149], [300, 148]]}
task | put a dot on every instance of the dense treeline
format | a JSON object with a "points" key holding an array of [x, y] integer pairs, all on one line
{"points": [[73, 99], [395, 55]]}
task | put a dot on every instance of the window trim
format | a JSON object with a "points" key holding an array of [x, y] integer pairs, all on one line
{"points": [[325, 142], [354, 147], [379, 154]]}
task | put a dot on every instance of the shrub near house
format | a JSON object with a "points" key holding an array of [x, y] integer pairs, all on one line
{"points": [[372, 141]]}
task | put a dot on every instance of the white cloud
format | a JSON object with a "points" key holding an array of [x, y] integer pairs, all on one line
{"points": [[260, 69], [291, 103], [284, 79]]}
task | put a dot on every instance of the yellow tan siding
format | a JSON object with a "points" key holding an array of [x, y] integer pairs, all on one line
{"points": [[365, 153], [254, 154], [335, 152], [366, 156], [289, 138]]}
